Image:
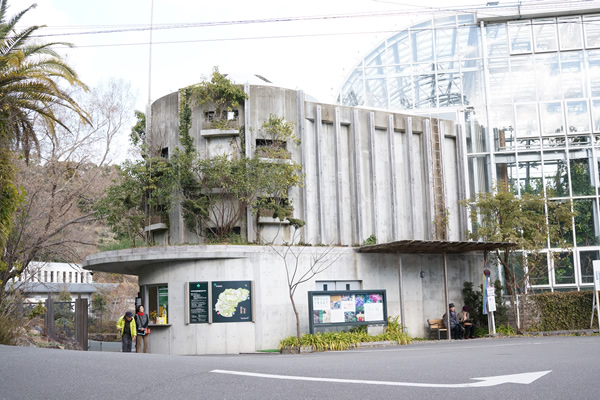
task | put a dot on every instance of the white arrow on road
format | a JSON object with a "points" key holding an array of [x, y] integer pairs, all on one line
{"points": [[525, 379]]}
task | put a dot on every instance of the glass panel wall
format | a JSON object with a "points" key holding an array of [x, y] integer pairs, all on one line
{"points": [[581, 164], [544, 33], [555, 173], [564, 270], [520, 37], [586, 225], [578, 118], [537, 266], [593, 62], [587, 269], [552, 118], [591, 26], [569, 32], [547, 75]]}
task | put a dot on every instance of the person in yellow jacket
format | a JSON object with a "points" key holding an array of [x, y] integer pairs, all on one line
{"points": [[127, 331]]}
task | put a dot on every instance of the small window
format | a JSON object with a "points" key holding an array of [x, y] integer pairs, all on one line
{"points": [[65, 277], [45, 276], [164, 153], [51, 276], [158, 302], [209, 115]]}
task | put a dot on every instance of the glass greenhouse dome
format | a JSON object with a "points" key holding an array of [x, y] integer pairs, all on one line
{"points": [[525, 86]]}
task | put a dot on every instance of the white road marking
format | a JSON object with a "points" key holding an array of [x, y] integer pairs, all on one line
{"points": [[525, 379]]}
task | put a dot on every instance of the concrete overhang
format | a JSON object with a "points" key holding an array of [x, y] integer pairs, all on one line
{"points": [[132, 261], [433, 247]]}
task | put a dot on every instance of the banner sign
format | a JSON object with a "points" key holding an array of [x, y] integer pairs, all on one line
{"points": [[347, 308]]}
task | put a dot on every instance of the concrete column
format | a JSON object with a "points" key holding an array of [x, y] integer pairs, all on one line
{"points": [[358, 171], [337, 127], [410, 178], [303, 150], [319, 177], [373, 168], [393, 179], [429, 184], [462, 181], [251, 227]]}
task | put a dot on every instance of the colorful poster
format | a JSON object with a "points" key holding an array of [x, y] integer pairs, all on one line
{"points": [[373, 312], [337, 316], [321, 303], [336, 302], [322, 316], [348, 304]]}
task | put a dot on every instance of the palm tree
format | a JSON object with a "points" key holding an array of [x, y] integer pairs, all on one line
{"points": [[30, 77], [32, 85]]}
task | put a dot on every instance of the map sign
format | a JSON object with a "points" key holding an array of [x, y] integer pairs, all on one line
{"points": [[232, 301], [198, 302]]}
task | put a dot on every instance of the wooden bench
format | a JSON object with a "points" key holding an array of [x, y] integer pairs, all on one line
{"points": [[436, 325]]}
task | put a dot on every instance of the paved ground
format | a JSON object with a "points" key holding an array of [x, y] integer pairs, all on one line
{"points": [[540, 368]]}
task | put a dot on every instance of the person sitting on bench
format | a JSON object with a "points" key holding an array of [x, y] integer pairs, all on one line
{"points": [[455, 326], [467, 323]]}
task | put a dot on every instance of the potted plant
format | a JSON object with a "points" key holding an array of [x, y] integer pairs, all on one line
{"points": [[153, 316]]}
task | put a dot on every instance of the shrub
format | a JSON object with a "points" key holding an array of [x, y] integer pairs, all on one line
{"points": [[563, 310], [340, 340], [8, 330]]}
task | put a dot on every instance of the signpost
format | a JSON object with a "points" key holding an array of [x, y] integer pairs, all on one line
{"points": [[596, 303]]}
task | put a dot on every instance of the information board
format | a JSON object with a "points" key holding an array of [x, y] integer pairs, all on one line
{"points": [[231, 301], [199, 302], [347, 308]]}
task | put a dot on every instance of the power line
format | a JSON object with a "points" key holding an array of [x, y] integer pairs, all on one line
{"points": [[105, 29]]}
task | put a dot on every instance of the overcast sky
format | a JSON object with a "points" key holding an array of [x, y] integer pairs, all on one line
{"points": [[312, 54]]}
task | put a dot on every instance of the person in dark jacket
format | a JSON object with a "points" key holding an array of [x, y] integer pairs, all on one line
{"points": [[455, 326], [127, 331], [141, 321]]}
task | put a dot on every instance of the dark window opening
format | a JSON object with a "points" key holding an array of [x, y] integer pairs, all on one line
{"points": [[164, 153], [278, 144], [210, 234]]}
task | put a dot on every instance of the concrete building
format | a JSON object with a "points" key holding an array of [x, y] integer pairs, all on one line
{"points": [[523, 82], [44, 279], [367, 172]]}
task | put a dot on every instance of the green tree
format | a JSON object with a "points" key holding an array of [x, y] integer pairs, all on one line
{"points": [[139, 197], [32, 75], [528, 222], [220, 93]]}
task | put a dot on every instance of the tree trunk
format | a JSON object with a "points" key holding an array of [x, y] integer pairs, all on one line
{"points": [[296, 315]]}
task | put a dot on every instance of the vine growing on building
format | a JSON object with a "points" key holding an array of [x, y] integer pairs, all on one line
{"points": [[217, 191]]}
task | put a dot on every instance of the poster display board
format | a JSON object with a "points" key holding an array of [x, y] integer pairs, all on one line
{"points": [[231, 301], [347, 308], [198, 302]]}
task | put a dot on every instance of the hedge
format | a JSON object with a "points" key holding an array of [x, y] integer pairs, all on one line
{"points": [[564, 310]]}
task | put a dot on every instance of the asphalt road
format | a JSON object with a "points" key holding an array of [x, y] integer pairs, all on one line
{"points": [[553, 368]]}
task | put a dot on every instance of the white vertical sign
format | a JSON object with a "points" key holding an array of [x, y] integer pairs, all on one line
{"points": [[596, 264]]}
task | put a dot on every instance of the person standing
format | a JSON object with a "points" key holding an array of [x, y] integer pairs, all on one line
{"points": [[455, 326], [127, 331], [141, 321]]}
